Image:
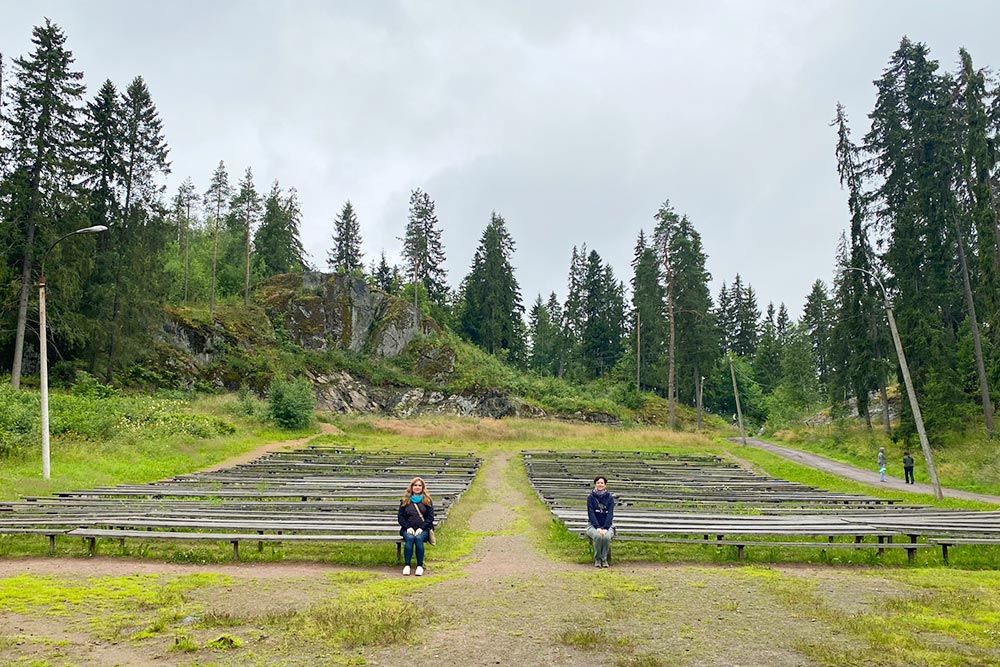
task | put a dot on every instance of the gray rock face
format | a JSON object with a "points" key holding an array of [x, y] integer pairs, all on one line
{"points": [[342, 393], [344, 312]]}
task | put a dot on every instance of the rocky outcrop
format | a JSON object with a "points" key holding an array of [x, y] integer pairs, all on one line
{"points": [[343, 393], [322, 311]]}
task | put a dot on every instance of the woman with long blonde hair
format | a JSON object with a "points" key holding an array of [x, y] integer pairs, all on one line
{"points": [[416, 519]]}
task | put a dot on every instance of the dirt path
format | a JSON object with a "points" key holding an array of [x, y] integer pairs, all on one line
{"points": [[861, 475], [324, 429]]}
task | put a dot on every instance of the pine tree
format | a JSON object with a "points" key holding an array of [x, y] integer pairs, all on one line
{"points": [[43, 130], [245, 211], [346, 257], [216, 203], [422, 249], [185, 199]]}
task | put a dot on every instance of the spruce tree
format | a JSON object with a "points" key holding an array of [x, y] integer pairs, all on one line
{"points": [[346, 257], [913, 154], [648, 314], [816, 324], [491, 309], [140, 234], [422, 248], [277, 248], [41, 156]]}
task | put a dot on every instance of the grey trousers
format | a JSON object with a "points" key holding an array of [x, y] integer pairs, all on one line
{"points": [[602, 543]]}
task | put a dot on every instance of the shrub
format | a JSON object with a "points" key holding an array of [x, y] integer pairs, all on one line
{"points": [[290, 404]]}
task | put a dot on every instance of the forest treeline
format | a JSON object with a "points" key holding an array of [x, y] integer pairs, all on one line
{"points": [[921, 220]]}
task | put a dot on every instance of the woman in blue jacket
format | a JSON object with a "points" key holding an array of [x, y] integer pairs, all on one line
{"points": [[600, 515], [416, 518]]}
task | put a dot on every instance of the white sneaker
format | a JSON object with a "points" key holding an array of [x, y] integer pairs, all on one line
{"points": [[420, 571], [406, 570]]}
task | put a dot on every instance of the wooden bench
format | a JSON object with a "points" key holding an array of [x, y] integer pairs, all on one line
{"points": [[48, 532], [740, 544], [91, 535], [945, 542]]}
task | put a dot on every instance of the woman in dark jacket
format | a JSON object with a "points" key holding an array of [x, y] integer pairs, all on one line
{"points": [[600, 515], [416, 518]]}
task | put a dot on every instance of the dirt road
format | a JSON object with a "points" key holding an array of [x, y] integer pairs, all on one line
{"points": [[860, 474]]}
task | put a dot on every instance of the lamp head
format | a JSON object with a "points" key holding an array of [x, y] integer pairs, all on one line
{"points": [[93, 229]]}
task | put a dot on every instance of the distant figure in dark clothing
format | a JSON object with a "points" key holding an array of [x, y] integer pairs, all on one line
{"points": [[881, 464], [600, 515], [908, 467]]}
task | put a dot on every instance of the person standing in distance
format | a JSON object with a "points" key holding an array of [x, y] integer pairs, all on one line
{"points": [[908, 467], [600, 518], [881, 464], [416, 518]]}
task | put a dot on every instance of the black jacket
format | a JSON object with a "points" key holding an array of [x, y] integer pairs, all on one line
{"points": [[408, 517]]}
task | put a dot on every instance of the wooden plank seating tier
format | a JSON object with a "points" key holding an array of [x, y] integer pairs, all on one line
{"points": [[314, 494], [685, 499]]}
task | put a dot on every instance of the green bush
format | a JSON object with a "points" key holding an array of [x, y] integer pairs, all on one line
{"points": [[291, 404]]}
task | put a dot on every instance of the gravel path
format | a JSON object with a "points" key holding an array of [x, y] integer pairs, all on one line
{"points": [[862, 475]]}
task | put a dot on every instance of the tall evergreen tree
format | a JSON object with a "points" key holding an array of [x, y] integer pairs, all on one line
{"points": [[277, 247], [216, 203], [186, 198], [422, 248], [244, 215], [345, 257], [746, 319], [140, 234], [42, 130], [491, 309], [648, 314], [767, 361], [697, 338], [913, 154], [816, 324]]}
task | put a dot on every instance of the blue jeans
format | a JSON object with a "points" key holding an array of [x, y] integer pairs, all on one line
{"points": [[411, 541]]}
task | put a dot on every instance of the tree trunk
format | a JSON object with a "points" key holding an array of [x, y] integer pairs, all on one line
{"points": [[215, 258], [246, 280], [22, 306], [26, 268], [884, 396], [699, 389], [672, 364], [977, 346], [187, 250]]}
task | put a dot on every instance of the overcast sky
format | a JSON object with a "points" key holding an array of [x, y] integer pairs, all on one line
{"points": [[574, 120]]}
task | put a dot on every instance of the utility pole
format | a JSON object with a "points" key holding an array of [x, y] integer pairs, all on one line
{"points": [[736, 393], [907, 380], [638, 363]]}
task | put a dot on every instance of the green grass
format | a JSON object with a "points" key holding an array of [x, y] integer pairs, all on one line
{"points": [[146, 447], [937, 617], [968, 461]]}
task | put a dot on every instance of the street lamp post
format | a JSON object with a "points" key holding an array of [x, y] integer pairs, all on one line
{"points": [[43, 353], [910, 392]]}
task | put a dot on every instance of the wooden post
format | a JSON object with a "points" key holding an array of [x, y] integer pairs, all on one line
{"points": [[736, 393]]}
